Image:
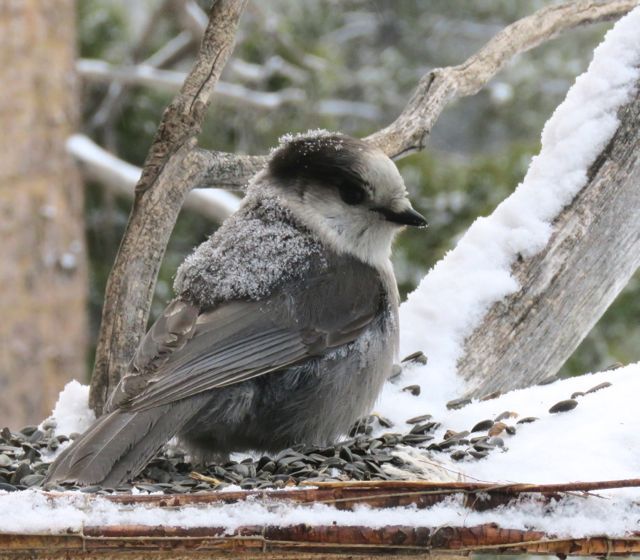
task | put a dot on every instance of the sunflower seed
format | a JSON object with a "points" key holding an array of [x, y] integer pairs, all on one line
{"points": [[563, 406], [506, 414], [418, 419], [413, 389], [455, 404], [598, 387], [497, 429], [416, 358], [482, 426], [478, 454], [458, 455]]}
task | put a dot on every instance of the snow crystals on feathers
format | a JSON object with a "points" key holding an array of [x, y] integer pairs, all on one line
{"points": [[314, 134], [256, 250]]}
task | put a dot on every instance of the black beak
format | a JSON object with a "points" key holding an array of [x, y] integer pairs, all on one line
{"points": [[406, 218]]}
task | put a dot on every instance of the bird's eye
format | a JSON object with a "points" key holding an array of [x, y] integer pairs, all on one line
{"points": [[351, 194]]}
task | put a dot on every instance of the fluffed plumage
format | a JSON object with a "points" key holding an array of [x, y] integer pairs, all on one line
{"points": [[284, 327]]}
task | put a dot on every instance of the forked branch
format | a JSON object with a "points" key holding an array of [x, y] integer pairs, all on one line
{"points": [[171, 169]]}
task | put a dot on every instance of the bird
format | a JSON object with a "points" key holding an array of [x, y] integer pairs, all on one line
{"points": [[284, 325]]}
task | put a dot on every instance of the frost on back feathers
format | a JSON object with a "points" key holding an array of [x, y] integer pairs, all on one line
{"points": [[256, 250]]}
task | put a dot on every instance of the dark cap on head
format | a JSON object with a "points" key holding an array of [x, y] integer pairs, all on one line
{"points": [[330, 159]]}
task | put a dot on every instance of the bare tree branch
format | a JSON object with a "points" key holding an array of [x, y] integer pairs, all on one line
{"points": [[437, 89], [227, 171], [408, 133], [565, 289], [273, 66], [192, 17], [121, 178], [172, 51], [170, 170], [144, 74], [166, 55]]}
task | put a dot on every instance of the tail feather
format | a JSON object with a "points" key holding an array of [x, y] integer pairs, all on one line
{"points": [[119, 445]]}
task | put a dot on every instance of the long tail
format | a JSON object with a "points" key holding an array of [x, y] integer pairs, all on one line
{"points": [[119, 445]]}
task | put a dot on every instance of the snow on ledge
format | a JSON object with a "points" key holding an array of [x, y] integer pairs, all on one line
{"points": [[33, 512], [598, 440]]}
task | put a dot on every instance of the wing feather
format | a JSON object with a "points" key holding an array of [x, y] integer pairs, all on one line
{"points": [[240, 340]]}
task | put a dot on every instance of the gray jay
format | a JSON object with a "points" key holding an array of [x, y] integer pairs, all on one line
{"points": [[285, 323]]}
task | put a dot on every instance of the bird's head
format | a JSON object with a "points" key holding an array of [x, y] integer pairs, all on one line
{"points": [[346, 191]]}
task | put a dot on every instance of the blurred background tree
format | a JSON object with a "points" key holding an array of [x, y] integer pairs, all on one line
{"points": [[346, 65], [43, 276]]}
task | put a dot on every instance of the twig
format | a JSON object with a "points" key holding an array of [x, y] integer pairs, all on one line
{"points": [[299, 541], [192, 17], [273, 66], [381, 494], [145, 74]]}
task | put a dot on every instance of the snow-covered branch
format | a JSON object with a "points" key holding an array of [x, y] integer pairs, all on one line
{"points": [[593, 252], [121, 178], [525, 285]]}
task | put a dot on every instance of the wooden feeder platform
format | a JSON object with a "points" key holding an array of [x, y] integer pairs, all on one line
{"points": [[334, 541]]}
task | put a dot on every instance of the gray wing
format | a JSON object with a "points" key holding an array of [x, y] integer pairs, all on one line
{"points": [[188, 352]]}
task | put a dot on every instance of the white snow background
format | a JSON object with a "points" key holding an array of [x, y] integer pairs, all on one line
{"points": [[599, 440]]}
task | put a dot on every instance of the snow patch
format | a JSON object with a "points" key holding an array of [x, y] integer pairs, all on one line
{"points": [[35, 512], [312, 134], [256, 249], [71, 412]]}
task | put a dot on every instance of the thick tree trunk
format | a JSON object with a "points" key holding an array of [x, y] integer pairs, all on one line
{"points": [[43, 275], [565, 289]]}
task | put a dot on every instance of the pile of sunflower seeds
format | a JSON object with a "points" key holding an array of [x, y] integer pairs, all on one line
{"points": [[361, 457], [24, 455]]}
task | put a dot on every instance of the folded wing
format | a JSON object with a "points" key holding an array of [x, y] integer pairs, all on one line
{"points": [[189, 351]]}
